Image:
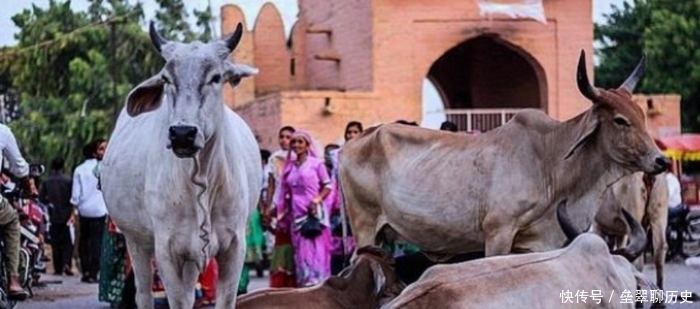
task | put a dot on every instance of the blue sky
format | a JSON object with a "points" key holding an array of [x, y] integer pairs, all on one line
{"points": [[433, 113], [288, 8]]}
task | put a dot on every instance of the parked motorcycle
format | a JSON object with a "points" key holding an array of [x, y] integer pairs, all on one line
{"points": [[33, 221], [32, 225], [5, 301], [683, 233], [29, 240]]}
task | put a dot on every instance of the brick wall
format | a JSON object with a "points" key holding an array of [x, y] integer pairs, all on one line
{"points": [[231, 15], [263, 117], [306, 109], [271, 54], [664, 118], [299, 80], [351, 37]]}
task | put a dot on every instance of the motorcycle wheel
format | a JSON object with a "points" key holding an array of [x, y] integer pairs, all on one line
{"points": [[5, 301], [25, 268]]}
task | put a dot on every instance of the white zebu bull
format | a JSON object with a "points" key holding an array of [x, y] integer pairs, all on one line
{"points": [[495, 192], [182, 172], [536, 280]]}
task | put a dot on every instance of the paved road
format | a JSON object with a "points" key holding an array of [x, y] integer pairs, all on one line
{"points": [[72, 294]]}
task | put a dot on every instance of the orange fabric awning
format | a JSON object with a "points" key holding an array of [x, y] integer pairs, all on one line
{"points": [[681, 147]]}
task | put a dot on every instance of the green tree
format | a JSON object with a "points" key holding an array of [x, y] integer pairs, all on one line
{"points": [[622, 44], [669, 33], [204, 21], [60, 67], [67, 79], [172, 20]]}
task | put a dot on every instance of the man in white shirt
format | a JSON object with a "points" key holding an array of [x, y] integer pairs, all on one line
{"points": [[88, 200], [674, 191], [9, 219]]}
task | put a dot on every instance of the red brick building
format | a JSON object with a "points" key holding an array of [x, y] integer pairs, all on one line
{"points": [[366, 60]]}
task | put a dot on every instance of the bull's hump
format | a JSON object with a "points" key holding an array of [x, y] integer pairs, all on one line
{"points": [[533, 119], [588, 244]]}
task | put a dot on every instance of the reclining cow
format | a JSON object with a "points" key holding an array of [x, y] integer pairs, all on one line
{"points": [[366, 284], [535, 280], [497, 191]]}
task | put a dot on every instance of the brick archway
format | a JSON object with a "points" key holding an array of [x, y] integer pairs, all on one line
{"points": [[485, 72]]}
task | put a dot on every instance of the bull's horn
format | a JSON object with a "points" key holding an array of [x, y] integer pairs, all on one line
{"points": [[566, 226], [157, 40], [235, 38], [584, 86], [636, 75], [638, 239]]}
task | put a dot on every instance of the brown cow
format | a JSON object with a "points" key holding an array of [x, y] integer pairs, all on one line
{"points": [[366, 284], [535, 280], [497, 191]]}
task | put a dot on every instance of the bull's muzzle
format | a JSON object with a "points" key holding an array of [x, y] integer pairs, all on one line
{"points": [[182, 140], [661, 164]]}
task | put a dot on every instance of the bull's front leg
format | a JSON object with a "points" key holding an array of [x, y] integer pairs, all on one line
{"points": [[364, 223], [499, 234], [141, 255], [179, 274], [230, 263], [658, 235]]}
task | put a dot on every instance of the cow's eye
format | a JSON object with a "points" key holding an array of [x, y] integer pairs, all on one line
{"points": [[620, 121], [215, 79], [165, 79]]}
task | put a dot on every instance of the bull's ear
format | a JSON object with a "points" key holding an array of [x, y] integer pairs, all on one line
{"points": [[236, 72], [146, 97], [588, 127]]}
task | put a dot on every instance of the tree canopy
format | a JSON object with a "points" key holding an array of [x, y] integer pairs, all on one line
{"points": [[668, 32], [67, 78]]}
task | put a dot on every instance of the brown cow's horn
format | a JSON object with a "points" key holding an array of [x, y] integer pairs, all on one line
{"points": [[638, 239], [636, 75], [584, 86], [157, 40], [566, 226]]}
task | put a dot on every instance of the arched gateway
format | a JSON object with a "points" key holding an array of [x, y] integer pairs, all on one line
{"points": [[483, 81]]}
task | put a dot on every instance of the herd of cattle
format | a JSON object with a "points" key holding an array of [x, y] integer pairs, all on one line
{"points": [[182, 173]]}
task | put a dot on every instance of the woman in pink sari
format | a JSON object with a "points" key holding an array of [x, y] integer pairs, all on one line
{"points": [[306, 181]]}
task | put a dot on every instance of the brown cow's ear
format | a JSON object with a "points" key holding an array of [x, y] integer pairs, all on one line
{"points": [[588, 127], [146, 97]]}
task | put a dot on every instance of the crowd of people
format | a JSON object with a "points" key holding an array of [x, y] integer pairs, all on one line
{"points": [[302, 209]]}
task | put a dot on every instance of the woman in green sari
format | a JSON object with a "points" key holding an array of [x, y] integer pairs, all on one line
{"points": [[113, 267], [255, 234], [254, 243], [114, 259]]}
